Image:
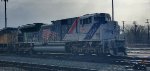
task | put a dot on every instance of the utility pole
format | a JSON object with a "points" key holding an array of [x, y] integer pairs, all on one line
{"points": [[5, 12], [123, 29], [135, 31], [147, 21], [112, 10]]}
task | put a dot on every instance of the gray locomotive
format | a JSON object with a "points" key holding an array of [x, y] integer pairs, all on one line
{"points": [[88, 34]]}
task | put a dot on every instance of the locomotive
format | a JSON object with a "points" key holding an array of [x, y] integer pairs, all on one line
{"points": [[88, 34]]}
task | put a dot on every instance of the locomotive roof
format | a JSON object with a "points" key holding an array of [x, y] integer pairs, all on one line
{"points": [[8, 30], [64, 19], [31, 27], [86, 15]]}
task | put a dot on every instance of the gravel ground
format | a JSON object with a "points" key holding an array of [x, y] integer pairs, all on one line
{"points": [[64, 63], [10, 69]]}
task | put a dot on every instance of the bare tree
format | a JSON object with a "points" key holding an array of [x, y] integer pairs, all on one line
{"points": [[136, 34]]}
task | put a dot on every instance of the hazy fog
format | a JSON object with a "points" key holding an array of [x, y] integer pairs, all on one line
{"points": [[30, 11]]}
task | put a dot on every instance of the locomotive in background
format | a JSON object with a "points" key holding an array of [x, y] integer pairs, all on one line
{"points": [[87, 34], [9, 42]]}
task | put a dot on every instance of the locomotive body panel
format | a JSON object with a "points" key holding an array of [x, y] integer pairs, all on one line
{"points": [[93, 27]]}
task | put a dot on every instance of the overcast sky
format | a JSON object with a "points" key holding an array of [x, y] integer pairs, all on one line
{"points": [[22, 12]]}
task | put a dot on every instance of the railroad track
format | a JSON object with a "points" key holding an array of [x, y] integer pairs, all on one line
{"points": [[34, 60], [37, 67], [94, 59]]}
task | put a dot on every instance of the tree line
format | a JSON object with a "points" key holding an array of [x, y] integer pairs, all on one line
{"points": [[136, 34]]}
